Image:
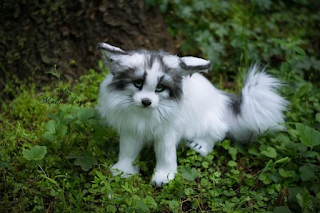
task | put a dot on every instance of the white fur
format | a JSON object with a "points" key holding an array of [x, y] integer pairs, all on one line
{"points": [[172, 61], [197, 117], [110, 47], [202, 116], [194, 61], [261, 109]]}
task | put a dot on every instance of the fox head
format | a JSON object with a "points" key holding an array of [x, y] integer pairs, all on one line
{"points": [[149, 78]]}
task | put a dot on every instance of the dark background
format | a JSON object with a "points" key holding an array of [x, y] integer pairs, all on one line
{"points": [[35, 36]]}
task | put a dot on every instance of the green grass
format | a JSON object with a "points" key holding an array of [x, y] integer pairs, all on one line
{"points": [[55, 154]]}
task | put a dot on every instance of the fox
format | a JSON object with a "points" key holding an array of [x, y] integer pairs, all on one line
{"points": [[161, 99]]}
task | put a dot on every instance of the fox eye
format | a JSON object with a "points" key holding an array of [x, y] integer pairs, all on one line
{"points": [[138, 84], [160, 88]]}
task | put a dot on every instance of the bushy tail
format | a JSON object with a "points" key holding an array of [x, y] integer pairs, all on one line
{"points": [[258, 109]]}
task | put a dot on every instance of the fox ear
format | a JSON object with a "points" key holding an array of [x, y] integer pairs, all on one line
{"points": [[187, 65], [110, 53], [190, 65]]}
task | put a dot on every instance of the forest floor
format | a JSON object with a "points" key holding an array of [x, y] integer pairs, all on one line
{"points": [[55, 154]]}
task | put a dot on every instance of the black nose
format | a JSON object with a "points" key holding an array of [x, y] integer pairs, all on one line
{"points": [[146, 102]]}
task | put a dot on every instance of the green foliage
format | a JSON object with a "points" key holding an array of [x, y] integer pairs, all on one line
{"points": [[86, 160], [35, 153], [57, 73], [55, 153], [189, 174], [69, 167], [26, 105], [308, 136], [233, 33]]}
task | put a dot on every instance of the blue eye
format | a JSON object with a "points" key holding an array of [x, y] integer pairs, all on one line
{"points": [[138, 84], [160, 88]]}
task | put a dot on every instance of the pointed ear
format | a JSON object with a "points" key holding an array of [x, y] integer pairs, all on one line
{"points": [[190, 65], [110, 53]]}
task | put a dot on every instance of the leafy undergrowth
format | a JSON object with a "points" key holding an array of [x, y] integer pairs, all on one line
{"points": [[55, 154]]}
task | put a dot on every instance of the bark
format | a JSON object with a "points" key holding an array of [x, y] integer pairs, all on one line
{"points": [[36, 35]]}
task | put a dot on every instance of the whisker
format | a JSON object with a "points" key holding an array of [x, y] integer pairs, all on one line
{"points": [[165, 105], [128, 107], [126, 99], [162, 114], [164, 111], [123, 103], [174, 99]]}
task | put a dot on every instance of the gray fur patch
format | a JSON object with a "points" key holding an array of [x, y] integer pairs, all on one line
{"points": [[122, 79], [235, 102], [126, 77], [174, 86]]}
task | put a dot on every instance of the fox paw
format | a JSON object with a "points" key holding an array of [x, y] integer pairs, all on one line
{"points": [[124, 169], [162, 177], [201, 147]]}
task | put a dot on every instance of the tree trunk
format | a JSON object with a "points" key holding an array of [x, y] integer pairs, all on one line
{"points": [[36, 35]]}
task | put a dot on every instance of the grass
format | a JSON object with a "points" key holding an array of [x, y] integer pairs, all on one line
{"points": [[55, 157], [55, 154]]}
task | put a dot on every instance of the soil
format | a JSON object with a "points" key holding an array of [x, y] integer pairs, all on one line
{"points": [[36, 35]]}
